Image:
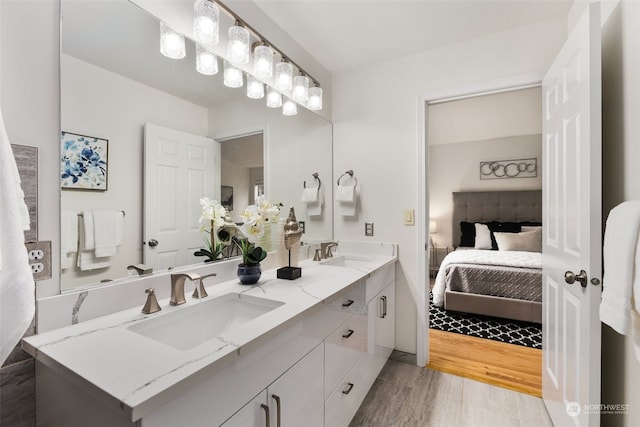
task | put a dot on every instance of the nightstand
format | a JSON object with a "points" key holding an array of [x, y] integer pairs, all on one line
{"points": [[436, 255]]}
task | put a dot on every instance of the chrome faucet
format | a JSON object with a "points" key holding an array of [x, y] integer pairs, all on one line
{"points": [[177, 286], [327, 249]]}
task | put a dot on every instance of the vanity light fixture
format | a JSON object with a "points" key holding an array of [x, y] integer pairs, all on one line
{"points": [[301, 89], [274, 98], [206, 22], [232, 75], [315, 98], [289, 108], [171, 42], [263, 61], [206, 61], [238, 47], [255, 88], [284, 75]]}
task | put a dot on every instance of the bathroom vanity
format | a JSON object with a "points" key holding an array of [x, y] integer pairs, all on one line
{"points": [[283, 353]]}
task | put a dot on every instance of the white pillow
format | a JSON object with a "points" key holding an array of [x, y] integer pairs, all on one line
{"points": [[529, 241], [531, 228], [483, 237]]}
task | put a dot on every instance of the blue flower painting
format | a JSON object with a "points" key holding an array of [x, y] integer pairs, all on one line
{"points": [[83, 162]]}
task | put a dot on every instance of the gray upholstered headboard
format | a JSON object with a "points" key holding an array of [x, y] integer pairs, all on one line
{"points": [[481, 206]]}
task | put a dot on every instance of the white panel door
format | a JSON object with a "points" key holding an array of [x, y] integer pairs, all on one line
{"points": [[179, 170], [572, 240]]}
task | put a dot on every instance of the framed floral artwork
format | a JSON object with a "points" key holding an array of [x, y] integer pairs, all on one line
{"points": [[83, 162]]}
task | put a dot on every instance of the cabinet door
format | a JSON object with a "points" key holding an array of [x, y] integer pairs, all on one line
{"points": [[297, 397], [382, 324], [253, 414]]}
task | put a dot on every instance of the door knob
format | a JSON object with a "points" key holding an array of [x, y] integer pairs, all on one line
{"points": [[153, 243], [570, 277]]}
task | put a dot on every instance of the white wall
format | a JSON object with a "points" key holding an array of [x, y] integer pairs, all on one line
{"points": [[621, 182], [100, 103], [30, 105], [455, 167], [375, 114]]}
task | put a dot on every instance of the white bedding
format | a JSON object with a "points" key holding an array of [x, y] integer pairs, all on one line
{"points": [[484, 257]]}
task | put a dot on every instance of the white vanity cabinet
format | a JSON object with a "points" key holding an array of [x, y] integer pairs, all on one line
{"points": [[294, 399]]}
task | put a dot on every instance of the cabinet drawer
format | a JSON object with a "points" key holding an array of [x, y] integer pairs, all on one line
{"points": [[340, 308], [343, 348], [345, 400]]}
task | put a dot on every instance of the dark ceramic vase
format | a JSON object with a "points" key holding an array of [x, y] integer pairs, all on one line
{"points": [[249, 275]]}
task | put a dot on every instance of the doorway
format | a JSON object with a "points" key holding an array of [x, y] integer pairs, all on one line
{"points": [[462, 133]]}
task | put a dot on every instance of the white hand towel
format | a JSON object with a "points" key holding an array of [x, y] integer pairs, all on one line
{"points": [[621, 256], [310, 195], [86, 257], [86, 229], [346, 193], [68, 238], [17, 299], [107, 229], [315, 209]]}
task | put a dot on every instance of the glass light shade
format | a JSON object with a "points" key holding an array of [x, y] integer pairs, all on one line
{"points": [[238, 47], [301, 89], [274, 98], [171, 43], [255, 89], [289, 108], [232, 75], [206, 22], [206, 61], [315, 98], [284, 76], [263, 62]]}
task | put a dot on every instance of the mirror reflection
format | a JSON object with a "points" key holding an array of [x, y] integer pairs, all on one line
{"points": [[168, 136]]}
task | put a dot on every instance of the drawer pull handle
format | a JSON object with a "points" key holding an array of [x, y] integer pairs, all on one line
{"points": [[348, 334], [277, 399], [266, 412], [348, 389], [347, 303], [382, 307]]}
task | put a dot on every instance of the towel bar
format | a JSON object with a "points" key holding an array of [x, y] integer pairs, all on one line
{"points": [[123, 213]]}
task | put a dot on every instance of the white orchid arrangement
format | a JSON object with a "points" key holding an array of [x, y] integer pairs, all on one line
{"points": [[212, 217], [254, 219]]}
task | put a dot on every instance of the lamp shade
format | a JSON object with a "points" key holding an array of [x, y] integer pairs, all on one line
{"points": [[433, 226], [274, 98], [255, 88], [301, 89], [263, 62], [206, 62], [232, 75], [206, 22], [315, 98], [284, 76], [171, 43], [238, 47], [289, 108]]}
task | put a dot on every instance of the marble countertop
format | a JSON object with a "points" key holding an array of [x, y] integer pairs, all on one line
{"points": [[135, 373]]}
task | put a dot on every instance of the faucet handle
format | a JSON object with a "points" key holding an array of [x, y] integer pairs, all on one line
{"points": [[151, 306], [318, 255], [199, 290]]}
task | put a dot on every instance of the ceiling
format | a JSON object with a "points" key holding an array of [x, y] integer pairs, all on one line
{"points": [[345, 34]]}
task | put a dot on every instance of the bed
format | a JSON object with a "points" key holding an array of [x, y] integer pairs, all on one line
{"points": [[498, 283]]}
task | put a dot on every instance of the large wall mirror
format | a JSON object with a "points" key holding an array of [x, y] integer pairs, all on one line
{"points": [[115, 83]]}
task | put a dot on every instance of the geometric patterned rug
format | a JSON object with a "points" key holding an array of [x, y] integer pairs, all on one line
{"points": [[493, 328]]}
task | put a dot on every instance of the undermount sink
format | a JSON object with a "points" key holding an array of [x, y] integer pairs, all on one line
{"points": [[191, 326], [353, 261]]}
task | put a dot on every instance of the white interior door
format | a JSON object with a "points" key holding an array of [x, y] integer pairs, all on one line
{"points": [[572, 227], [179, 170]]}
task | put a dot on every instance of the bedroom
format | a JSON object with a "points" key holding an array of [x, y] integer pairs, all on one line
{"points": [[471, 134]]}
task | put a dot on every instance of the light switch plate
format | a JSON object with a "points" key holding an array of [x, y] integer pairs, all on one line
{"points": [[409, 217], [368, 229], [40, 259]]}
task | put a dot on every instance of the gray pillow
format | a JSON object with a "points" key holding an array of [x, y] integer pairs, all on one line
{"points": [[529, 241]]}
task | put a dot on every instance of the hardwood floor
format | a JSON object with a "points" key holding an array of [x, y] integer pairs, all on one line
{"points": [[406, 395], [509, 366]]}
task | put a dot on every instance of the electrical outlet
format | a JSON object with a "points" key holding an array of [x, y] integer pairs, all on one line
{"points": [[301, 225], [40, 259], [368, 229]]}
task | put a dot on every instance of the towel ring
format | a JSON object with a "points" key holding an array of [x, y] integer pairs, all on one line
{"points": [[350, 173], [317, 178]]}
